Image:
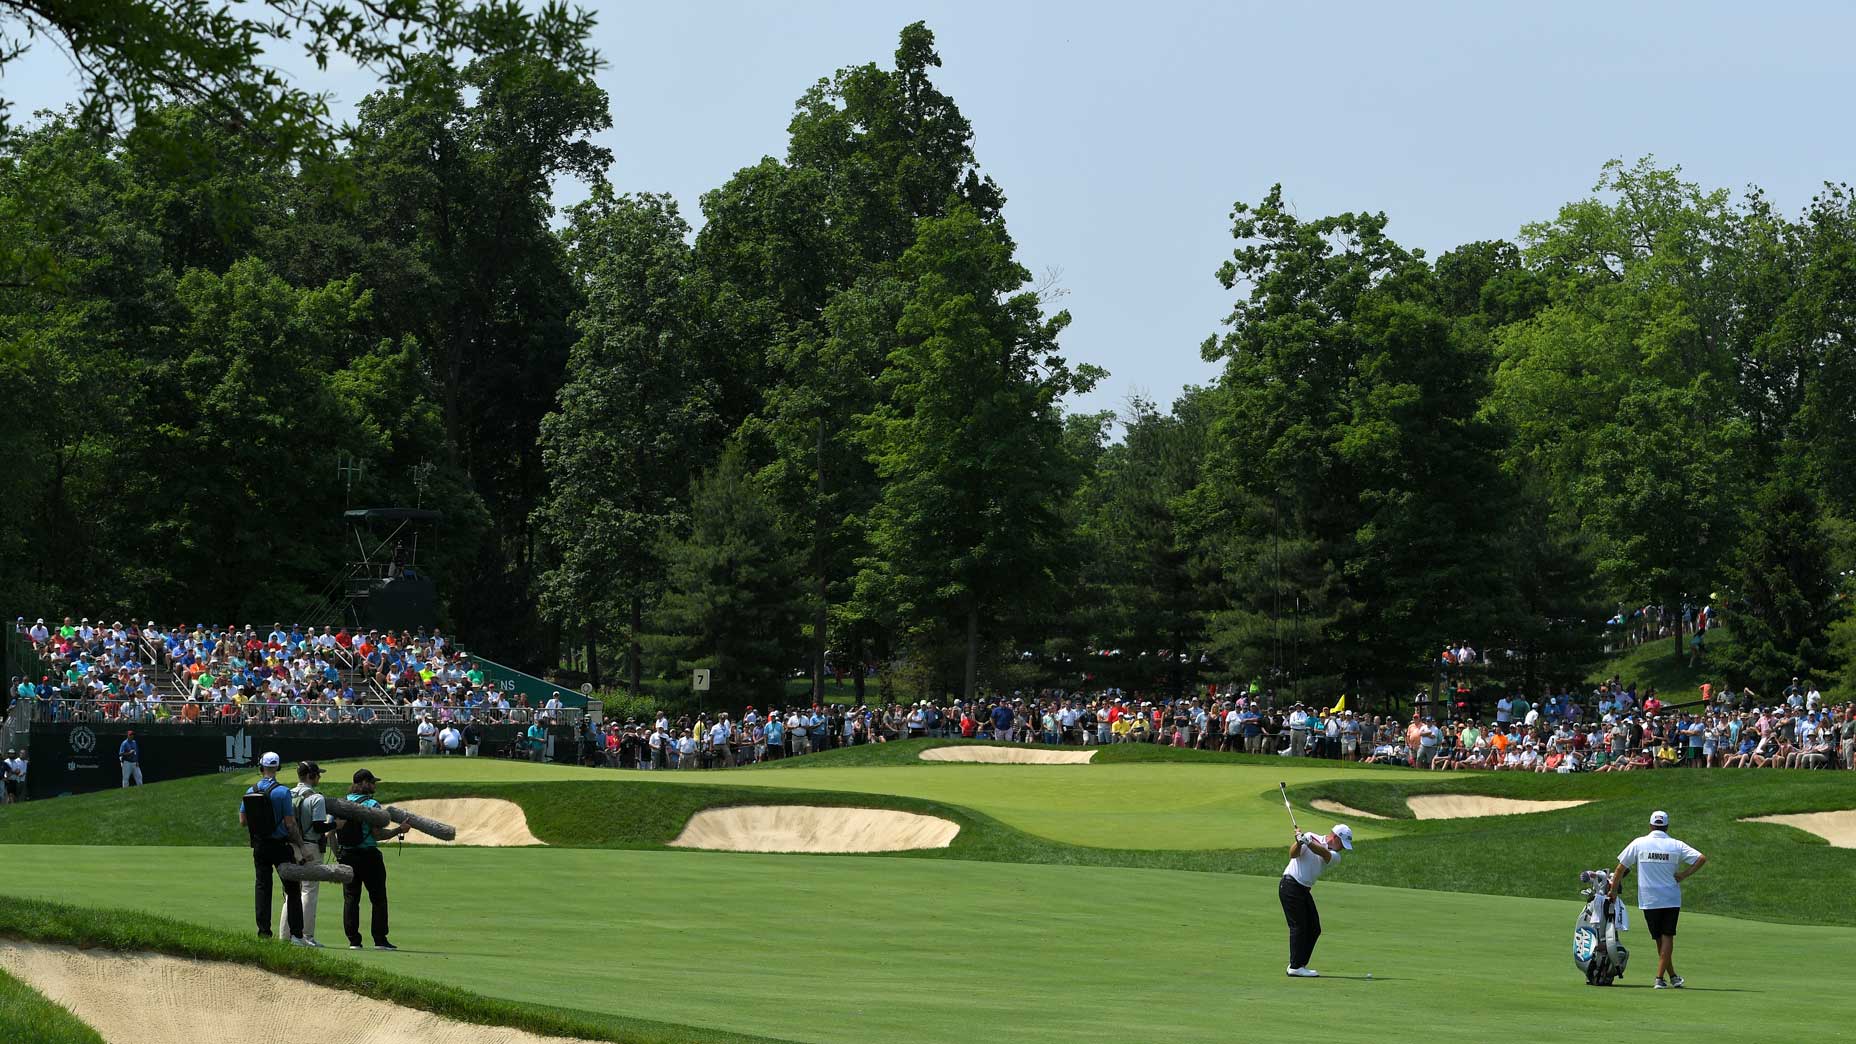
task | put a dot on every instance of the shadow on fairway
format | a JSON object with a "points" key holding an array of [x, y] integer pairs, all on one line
{"points": [[1685, 989]]}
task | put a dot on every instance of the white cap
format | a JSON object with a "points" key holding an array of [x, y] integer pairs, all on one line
{"points": [[270, 760], [1345, 833], [1659, 818]]}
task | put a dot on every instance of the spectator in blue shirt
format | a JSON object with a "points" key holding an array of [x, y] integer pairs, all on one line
{"points": [[1001, 722], [129, 755]]}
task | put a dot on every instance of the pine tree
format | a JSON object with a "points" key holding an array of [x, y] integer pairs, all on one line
{"points": [[733, 601], [1788, 594]]}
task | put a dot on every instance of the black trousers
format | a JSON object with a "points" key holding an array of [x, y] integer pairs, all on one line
{"points": [[265, 857], [370, 872], [1298, 908]]}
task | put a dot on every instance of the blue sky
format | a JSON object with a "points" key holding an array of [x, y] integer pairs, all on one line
{"points": [[1122, 133]]}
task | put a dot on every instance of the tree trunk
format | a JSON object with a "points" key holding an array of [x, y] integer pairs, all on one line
{"points": [[821, 563], [592, 653], [631, 643], [973, 650]]}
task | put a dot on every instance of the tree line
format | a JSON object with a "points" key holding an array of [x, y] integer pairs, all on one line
{"points": [[828, 429]]}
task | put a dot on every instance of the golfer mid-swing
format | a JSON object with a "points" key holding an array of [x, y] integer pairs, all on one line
{"points": [[1659, 861], [1308, 857]]}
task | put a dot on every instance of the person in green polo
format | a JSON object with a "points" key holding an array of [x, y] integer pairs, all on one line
{"points": [[538, 739], [360, 850]]}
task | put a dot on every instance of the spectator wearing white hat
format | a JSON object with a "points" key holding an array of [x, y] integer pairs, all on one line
{"points": [[1659, 861]]}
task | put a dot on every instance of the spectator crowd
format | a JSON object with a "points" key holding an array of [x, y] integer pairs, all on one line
{"points": [[183, 675], [1613, 730], [292, 674]]}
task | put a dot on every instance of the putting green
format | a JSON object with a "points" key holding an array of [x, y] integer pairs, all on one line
{"points": [[1157, 806], [870, 949]]}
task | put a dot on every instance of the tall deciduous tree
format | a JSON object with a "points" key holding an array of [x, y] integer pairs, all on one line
{"points": [[137, 58], [804, 254], [1620, 391], [1349, 455], [636, 418], [451, 232], [968, 440]]}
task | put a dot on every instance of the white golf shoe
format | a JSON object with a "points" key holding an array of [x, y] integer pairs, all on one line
{"points": [[1304, 973]]}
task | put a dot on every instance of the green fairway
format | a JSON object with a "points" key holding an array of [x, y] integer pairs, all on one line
{"points": [[856, 949], [1149, 806]]}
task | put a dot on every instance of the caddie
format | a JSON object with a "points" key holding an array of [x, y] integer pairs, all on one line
{"points": [[315, 823], [1659, 861]]}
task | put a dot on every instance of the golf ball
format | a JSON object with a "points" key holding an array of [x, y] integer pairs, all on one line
{"points": [[1369, 975]]}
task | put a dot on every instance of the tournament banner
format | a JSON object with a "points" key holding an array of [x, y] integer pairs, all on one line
{"points": [[71, 758]]}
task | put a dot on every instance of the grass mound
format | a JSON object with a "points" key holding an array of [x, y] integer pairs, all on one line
{"points": [[1801, 878], [1655, 665], [26, 1015], [130, 931]]}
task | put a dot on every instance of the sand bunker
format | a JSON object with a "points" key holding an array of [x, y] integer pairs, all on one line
{"points": [[145, 998], [1470, 806], [813, 828], [1838, 828], [490, 822], [1324, 805], [1008, 755]]}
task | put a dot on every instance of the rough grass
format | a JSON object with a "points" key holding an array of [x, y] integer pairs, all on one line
{"points": [[133, 932], [29, 1018]]}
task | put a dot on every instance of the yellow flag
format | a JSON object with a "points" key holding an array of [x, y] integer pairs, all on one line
{"points": [[1339, 705]]}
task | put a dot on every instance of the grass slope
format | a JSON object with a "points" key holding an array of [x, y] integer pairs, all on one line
{"points": [[134, 929], [27, 1016], [1655, 665], [871, 949]]}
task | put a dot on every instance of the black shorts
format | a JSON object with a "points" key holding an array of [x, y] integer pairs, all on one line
{"points": [[1661, 921]]}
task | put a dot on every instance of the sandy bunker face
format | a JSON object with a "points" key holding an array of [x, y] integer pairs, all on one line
{"points": [[1007, 755], [145, 998], [491, 822], [1471, 806], [1324, 805], [814, 828], [1838, 828]]}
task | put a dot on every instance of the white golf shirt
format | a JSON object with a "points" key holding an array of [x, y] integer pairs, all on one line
{"points": [[1654, 857], [1307, 867]]}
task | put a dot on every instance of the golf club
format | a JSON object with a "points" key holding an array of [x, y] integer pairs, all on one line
{"points": [[1284, 787]]}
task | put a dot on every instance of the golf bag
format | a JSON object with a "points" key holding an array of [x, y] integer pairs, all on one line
{"points": [[1595, 947], [334, 872]]}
